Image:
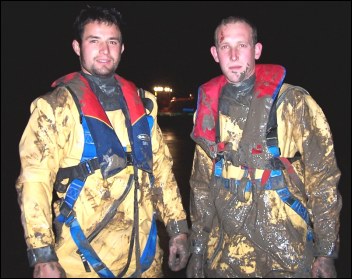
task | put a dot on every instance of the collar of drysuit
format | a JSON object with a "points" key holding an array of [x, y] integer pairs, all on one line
{"points": [[107, 89], [236, 96], [268, 80]]}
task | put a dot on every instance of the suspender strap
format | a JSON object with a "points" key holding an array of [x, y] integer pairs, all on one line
{"points": [[112, 211], [150, 248], [294, 176], [138, 271], [87, 250], [88, 254], [294, 203]]}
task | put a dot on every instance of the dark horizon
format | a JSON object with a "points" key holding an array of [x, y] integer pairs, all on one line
{"points": [[168, 43]]}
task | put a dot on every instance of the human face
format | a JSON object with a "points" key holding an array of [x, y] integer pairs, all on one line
{"points": [[235, 51], [100, 50]]}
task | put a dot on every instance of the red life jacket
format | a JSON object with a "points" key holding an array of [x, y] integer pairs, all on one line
{"points": [[252, 151], [106, 142]]}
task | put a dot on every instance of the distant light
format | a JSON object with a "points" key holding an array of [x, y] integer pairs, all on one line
{"points": [[162, 89], [158, 88]]}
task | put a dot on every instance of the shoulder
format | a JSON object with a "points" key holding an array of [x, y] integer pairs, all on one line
{"points": [[295, 98], [58, 98], [149, 102], [290, 93]]}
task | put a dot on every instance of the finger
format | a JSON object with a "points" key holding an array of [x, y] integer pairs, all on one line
{"points": [[183, 260], [172, 258]]}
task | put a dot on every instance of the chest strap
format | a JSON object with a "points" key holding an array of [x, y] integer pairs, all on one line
{"points": [[236, 186], [81, 172]]}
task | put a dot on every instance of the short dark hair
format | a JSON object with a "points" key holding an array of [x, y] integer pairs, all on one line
{"points": [[94, 13], [235, 19]]}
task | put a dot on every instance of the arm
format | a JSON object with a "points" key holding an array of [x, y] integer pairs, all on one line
{"points": [[39, 154], [312, 136], [167, 200], [202, 211]]}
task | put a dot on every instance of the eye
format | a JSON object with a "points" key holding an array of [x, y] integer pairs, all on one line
{"points": [[243, 45], [223, 47], [114, 43], [93, 41]]}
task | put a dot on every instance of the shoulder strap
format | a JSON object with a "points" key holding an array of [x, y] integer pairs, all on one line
{"points": [[271, 128], [148, 104], [272, 140]]}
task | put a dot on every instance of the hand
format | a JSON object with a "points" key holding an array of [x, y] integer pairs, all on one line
{"points": [[195, 266], [323, 267], [178, 252], [49, 270]]}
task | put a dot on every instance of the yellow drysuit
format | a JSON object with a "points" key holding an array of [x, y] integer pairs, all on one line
{"points": [[54, 139], [255, 233]]}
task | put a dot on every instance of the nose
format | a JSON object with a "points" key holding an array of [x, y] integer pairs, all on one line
{"points": [[234, 54], [104, 47]]}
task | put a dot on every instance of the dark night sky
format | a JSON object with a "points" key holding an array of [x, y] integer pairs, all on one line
{"points": [[168, 43]]}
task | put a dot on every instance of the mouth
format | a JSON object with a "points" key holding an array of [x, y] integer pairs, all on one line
{"points": [[235, 68], [103, 61]]}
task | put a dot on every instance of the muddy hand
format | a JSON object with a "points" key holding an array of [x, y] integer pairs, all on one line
{"points": [[178, 252]]}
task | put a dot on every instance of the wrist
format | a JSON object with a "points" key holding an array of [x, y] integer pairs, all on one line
{"points": [[41, 255], [174, 227]]}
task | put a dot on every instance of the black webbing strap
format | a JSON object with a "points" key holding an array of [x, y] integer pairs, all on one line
{"points": [[271, 127], [109, 215], [80, 171], [147, 103], [271, 131]]}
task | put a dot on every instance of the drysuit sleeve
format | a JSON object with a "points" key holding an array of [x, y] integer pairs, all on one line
{"points": [[166, 194], [304, 128], [201, 207], [40, 148]]}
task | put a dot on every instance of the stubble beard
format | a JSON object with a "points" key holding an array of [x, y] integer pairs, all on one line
{"points": [[104, 71]]}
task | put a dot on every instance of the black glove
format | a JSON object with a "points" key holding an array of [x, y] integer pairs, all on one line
{"points": [[178, 252]]}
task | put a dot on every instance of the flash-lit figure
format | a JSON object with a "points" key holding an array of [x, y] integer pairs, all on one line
{"points": [[94, 141], [264, 197]]}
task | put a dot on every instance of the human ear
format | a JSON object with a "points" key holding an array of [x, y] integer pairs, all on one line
{"points": [[214, 53], [76, 47], [258, 50]]}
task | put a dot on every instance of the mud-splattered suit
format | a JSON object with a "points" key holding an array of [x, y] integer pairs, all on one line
{"points": [[53, 139], [250, 229]]}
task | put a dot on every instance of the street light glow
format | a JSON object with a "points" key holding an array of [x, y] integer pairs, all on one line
{"points": [[162, 89]]}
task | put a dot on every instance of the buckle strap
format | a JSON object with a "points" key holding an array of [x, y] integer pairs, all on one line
{"points": [[129, 158], [283, 192], [272, 184], [294, 203], [87, 250], [80, 171], [277, 163]]}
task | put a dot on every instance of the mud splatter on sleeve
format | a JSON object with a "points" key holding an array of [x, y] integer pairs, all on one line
{"points": [[307, 130], [166, 193], [40, 148], [201, 205]]}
